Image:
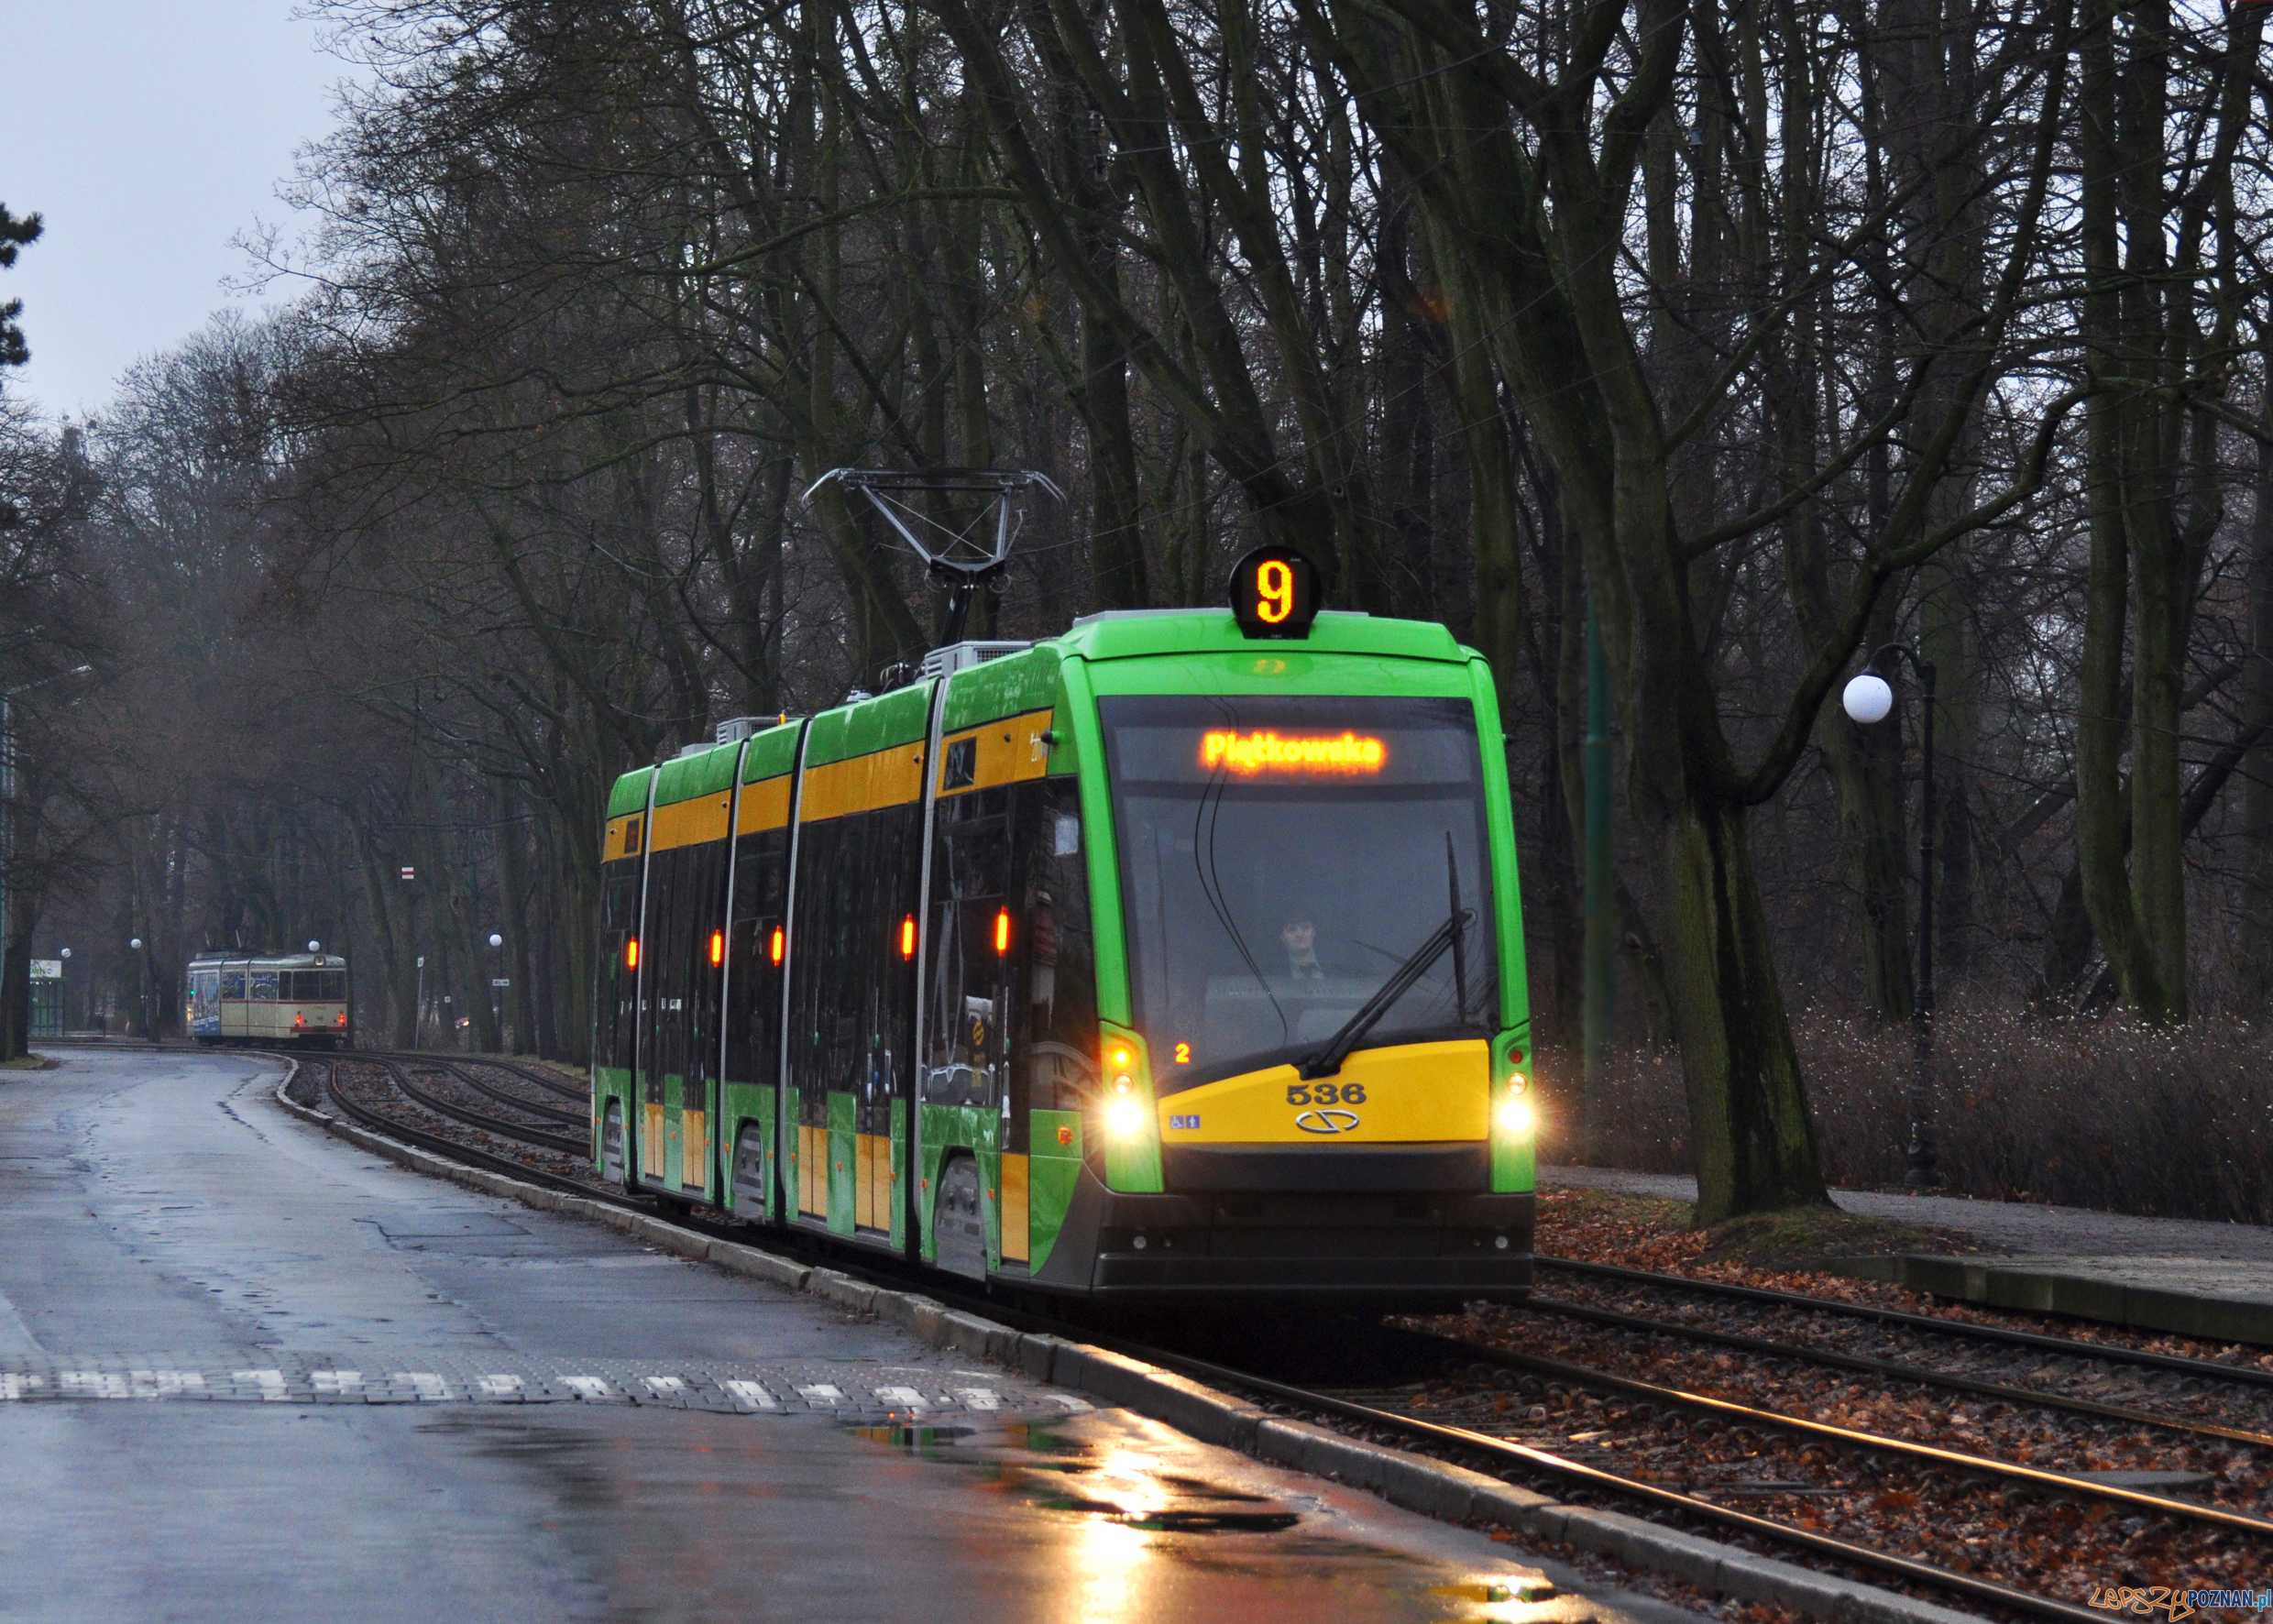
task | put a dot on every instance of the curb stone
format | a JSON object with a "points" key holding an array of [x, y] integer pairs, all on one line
{"points": [[2040, 1286], [1414, 1482]]}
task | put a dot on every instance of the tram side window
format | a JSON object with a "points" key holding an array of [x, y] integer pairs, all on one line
{"points": [[1054, 1022], [682, 912], [611, 1035], [888, 844], [852, 995], [668, 953], [754, 1025], [828, 969], [973, 935], [264, 986], [703, 915], [232, 983]]}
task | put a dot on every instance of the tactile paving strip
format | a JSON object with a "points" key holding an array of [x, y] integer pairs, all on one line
{"points": [[853, 1393]]}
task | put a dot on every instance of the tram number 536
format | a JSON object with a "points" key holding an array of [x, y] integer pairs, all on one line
{"points": [[1326, 1093]]}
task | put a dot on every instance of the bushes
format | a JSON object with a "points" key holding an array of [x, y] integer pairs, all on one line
{"points": [[2109, 1114]]}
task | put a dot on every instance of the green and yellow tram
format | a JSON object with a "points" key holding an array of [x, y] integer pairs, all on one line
{"points": [[1179, 956]]}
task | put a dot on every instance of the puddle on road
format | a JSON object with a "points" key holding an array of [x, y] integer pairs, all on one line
{"points": [[1113, 1527], [1052, 1471]]}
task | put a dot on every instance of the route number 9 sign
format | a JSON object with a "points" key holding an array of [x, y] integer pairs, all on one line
{"points": [[1274, 593]]}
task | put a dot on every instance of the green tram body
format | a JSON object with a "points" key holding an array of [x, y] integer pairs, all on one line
{"points": [[895, 972]]}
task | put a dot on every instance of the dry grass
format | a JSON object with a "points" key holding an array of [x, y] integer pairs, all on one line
{"points": [[2107, 1113]]}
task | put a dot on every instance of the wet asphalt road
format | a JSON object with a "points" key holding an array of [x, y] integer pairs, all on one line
{"points": [[247, 1371]]}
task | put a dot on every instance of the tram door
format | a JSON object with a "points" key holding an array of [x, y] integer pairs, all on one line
{"points": [[853, 942], [686, 962], [962, 1095], [756, 949]]}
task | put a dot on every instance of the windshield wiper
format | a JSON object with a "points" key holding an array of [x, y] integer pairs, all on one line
{"points": [[1459, 945], [1328, 1059]]}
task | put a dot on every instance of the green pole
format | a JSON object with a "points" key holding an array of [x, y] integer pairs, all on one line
{"points": [[1602, 945]]}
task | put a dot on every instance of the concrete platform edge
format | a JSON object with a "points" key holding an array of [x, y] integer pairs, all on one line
{"points": [[1414, 1482], [1994, 1283]]}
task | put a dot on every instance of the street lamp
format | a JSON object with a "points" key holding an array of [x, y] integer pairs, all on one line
{"points": [[497, 1010], [65, 1013], [1869, 698], [143, 961], [314, 946]]}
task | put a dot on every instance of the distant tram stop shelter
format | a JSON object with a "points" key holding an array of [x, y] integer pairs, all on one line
{"points": [[46, 998]]}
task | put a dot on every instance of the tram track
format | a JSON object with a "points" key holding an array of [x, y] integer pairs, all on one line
{"points": [[380, 1122], [465, 1073], [1733, 1413], [399, 1077], [2104, 1352], [1532, 1466], [580, 1093], [489, 1122], [1896, 1370]]}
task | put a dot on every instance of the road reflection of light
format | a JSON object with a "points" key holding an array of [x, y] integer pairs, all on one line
{"points": [[1126, 1478], [1503, 1599], [1113, 1549], [1111, 1557]]}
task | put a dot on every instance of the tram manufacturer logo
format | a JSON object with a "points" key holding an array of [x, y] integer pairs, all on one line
{"points": [[1327, 1122]]}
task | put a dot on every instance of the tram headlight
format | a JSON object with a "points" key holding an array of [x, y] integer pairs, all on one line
{"points": [[1127, 1128], [1516, 1116]]}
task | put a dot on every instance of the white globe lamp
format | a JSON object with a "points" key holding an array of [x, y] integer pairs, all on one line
{"points": [[1868, 697]]}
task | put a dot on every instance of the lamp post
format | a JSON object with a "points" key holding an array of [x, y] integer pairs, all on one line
{"points": [[497, 1010], [142, 961], [64, 1012], [1869, 698]]}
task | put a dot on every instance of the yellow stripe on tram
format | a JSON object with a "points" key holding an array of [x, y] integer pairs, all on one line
{"points": [[864, 784], [688, 823]]}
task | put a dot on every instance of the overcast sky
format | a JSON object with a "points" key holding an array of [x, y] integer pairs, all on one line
{"points": [[147, 133]]}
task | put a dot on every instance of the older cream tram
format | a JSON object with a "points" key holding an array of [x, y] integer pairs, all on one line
{"points": [[281, 998]]}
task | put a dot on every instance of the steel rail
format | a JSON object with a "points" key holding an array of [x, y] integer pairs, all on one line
{"points": [[482, 1119], [1555, 1466], [581, 1094], [490, 1090], [1862, 1365], [1729, 1410], [2068, 1346], [378, 1122]]}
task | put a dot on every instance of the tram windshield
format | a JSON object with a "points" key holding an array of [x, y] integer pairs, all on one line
{"points": [[1290, 862]]}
